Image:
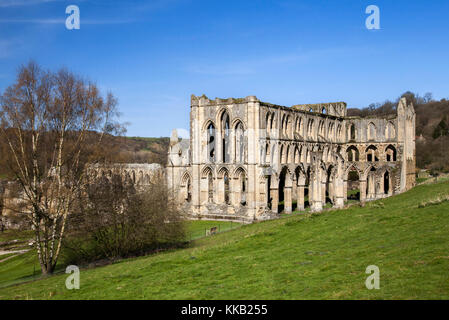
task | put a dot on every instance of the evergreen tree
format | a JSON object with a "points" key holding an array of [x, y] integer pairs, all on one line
{"points": [[441, 129]]}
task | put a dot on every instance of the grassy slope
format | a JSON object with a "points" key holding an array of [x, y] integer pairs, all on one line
{"points": [[197, 229], [18, 269], [25, 267], [304, 256]]}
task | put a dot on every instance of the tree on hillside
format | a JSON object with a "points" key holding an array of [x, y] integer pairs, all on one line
{"points": [[442, 129], [52, 124]]}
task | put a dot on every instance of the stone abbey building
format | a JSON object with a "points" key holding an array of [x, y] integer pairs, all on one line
{"points": [[250, 160]]}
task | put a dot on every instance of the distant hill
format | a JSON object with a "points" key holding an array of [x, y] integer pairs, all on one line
{"points": [[145, 150]]}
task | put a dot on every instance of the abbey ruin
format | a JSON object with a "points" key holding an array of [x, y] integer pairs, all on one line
{"points": [[250, 160]]}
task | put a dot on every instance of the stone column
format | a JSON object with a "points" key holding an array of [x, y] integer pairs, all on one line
{"points": [[362, 191], [381, 191], [288, 199], [371, 187], [315, 198], [345, 190], [295, 191], [323, 192], [339, 193], [300, 198]]}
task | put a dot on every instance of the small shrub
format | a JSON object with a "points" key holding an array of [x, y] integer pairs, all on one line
{"points": [[434, 202]]}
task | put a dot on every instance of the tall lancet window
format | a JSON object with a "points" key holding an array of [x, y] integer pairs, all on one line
{"points": [[210, 187], [239, 142], [243, 188], [189, 191], [225, 137], [211, 143], [226, 188]]}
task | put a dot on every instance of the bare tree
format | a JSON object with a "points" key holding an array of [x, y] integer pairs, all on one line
{"points": [[52, 125]]}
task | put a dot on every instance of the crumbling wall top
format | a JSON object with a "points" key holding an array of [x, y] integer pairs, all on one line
{"points": [[331, 108], [204, 100]]}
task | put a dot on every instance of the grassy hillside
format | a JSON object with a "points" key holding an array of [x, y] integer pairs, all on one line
{"points": [[311, 256], [17, 268]]}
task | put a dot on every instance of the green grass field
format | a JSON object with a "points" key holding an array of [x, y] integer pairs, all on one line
{"points": [[25, 267], [197, 229], [303, 256]]}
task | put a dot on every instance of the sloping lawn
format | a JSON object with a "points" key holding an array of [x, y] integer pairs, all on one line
{"points": [[308, 256]]}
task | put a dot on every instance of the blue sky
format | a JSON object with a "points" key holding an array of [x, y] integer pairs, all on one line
{"points": [[154, 54]]}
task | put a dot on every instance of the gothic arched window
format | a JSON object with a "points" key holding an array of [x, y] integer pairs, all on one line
{"points": [[211, 143], [225, 137]]}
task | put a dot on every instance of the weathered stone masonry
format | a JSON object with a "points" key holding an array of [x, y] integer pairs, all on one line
{"points": [[250, 160]]}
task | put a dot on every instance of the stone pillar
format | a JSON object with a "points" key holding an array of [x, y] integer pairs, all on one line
{"points": [[362, 191], [300, 198], [339, 193], [315, 198], [288, 199], [371, 187], [381, 190], [345, 191], [323, 192]]}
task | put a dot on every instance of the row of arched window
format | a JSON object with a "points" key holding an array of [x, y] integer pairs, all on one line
{"points": [[222, 184], [292, 153], [231, 141], [138, 178], [333, 133], [371, 154], [371, 131]]}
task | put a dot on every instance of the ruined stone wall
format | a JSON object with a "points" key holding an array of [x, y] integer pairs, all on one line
{"points": [[247, 159]]}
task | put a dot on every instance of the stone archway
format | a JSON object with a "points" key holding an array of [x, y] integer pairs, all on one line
{"points": [[285, 191], [352, 181]]}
